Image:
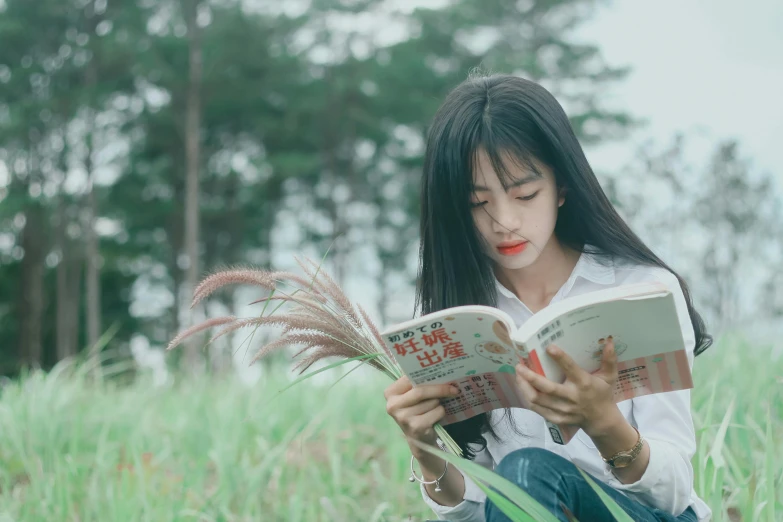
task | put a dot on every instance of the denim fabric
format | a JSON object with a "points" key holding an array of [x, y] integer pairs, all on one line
{"points": [[556, 484]]}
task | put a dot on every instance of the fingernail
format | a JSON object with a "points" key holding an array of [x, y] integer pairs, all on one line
{"points": [[454, 391], [552, 350]]}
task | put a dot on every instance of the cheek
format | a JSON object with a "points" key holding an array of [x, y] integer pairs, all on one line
{"points": [[546, 213], [483, 222]]}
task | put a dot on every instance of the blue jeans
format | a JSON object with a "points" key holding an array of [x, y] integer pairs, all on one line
{"points": [[555, 483]]}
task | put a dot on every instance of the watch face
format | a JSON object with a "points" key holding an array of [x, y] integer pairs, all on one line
{"points": [[622, 461]]}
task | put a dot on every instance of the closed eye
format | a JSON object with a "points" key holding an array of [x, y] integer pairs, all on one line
{"points": [[528, 198], [477, 204]]}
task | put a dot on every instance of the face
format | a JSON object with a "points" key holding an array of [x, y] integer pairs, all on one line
{"points": [[516, 224]]}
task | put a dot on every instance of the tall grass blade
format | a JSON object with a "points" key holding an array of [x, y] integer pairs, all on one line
{"points": [[514, 512], [476, 472], [716, 452], [328, 367], [617, 512], [769, 467]]}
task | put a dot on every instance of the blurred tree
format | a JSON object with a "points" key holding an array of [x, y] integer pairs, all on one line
{"points": [[53, 84], [190, 9], [374, 101], [740, 216], [318, 99], [150, 142], [248, 143], [28, 61], [720, 224]]}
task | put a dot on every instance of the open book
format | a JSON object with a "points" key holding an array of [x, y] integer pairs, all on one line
{"points": [[476, 348]]}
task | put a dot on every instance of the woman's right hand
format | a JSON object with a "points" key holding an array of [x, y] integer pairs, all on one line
{"points": [[416, 410]]}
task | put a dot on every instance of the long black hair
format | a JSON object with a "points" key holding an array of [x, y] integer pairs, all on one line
{"points": [[508, 116]]}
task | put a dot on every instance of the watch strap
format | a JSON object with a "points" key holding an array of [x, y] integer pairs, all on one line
{"points": [[630, 454]]}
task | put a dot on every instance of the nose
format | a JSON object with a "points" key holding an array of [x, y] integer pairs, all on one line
{"points": [[506, 218]]}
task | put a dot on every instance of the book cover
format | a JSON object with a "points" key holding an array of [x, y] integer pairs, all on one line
{"points": [[476, 348]]}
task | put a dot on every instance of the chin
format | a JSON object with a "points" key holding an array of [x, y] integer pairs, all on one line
{"points": [[523, 260]]}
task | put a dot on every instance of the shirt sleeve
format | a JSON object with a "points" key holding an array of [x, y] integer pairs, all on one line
{"points": [[471, 509], [665, 421]]}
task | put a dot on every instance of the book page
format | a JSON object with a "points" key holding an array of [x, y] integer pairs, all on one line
{"points": [[554, 311], [648, 342], [471, 350]]}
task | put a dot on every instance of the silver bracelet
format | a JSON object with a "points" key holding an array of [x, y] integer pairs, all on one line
{"points": [[414, 478]]}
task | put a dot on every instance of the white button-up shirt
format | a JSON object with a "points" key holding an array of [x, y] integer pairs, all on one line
{"points": [[664, 419]]}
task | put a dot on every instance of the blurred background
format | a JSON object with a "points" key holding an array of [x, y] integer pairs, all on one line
{"points": [[147, 143]]}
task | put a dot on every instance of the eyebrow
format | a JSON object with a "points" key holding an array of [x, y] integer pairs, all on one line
{"points": [[517, 183]]}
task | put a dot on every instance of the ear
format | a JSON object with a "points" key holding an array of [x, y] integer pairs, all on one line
{"points": [[561, 194]]}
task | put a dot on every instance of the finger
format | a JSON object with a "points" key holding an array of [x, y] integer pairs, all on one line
{"points": [[398, 387], [556, 404], [549, 414], [609, 359], [419, 409], [427, 391], [559, 401], [422, 424], [528, 392], [572, 370], [540, 382]]}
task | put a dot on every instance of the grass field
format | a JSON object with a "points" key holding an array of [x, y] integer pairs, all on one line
{"points": [[73, 448]]}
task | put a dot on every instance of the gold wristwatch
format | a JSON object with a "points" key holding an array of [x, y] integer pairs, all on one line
{"points": [[622, 459]]}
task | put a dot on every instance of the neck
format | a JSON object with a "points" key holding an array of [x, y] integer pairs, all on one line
{"points": [[537, 284]]}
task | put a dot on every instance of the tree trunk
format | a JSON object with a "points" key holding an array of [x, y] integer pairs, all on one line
{"points": [[31, 297], [67, 294], [63, 350], [92, 252], [192, 356], [74, 299], [175, 231]]}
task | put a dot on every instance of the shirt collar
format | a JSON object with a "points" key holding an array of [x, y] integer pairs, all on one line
{"points": [[588, 267], [594, 268]]}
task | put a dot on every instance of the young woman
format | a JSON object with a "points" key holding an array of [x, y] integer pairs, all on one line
{"points": [[513, 217]]}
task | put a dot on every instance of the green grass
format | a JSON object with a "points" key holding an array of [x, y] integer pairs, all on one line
{"points": [[214, 450]]}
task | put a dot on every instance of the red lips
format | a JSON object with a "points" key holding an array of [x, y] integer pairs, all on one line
{"points": [[510, 248]]}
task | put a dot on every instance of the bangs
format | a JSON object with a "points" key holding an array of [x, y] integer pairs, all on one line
{"points": [[514, 155]]}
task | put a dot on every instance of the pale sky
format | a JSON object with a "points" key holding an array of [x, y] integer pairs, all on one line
{"points": [[710, 70], [709, 66]]}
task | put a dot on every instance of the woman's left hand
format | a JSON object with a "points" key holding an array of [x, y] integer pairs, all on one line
{"points": [[583, 400]]}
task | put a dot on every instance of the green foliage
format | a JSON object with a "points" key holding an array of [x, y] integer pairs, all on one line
{"points": [[293, 106], [73, 447]]}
